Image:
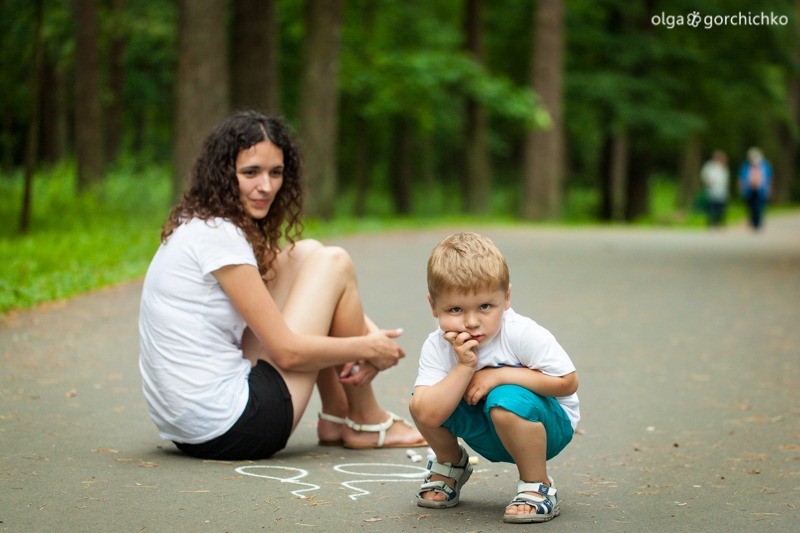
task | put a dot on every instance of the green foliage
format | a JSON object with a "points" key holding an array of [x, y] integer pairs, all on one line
{"points": [[402, 64], [78, 242]]}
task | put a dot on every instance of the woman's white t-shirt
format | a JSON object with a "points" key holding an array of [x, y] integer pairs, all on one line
{"points": [[193, 374]]}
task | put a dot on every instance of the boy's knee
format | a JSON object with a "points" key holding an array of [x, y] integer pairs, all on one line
{"points": [[421, 416], [504, 418]]}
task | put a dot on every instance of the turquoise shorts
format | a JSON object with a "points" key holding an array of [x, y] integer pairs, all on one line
{"points": [[473, 424]]}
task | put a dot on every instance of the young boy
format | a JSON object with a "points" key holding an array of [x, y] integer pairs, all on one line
{"points": [[494, 378]]}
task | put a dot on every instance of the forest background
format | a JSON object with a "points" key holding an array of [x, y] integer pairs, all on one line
{"points": [[408, 112]]}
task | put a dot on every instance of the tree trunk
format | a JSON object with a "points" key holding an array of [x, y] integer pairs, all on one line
{"points": [[403, 167], [254, 57], [202, 81], [362, 165], [638, 189], [689, 174], [614, 177], [33, 125], [319, 104], [786, 165], [115, 125], [544, 157], [89, 132], [641, 160], [479, 173]]}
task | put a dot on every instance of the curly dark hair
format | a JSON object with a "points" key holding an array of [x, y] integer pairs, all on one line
{"points": [[214, 188]]}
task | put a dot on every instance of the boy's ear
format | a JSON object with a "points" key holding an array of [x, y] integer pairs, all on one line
{"points": [[508, 297], [433, 306]]}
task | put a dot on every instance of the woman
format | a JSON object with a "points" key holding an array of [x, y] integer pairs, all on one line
{"points": [[235, 329]]}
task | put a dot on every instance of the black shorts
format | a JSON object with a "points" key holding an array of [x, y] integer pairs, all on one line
{"points": [[264, 427]]}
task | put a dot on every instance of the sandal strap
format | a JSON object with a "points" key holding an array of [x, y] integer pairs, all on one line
{"points": [[453, 471], [539, 488], [438, 486], [543, 507], [446, 470], [380, 429], [543, 501], [332, 418]]}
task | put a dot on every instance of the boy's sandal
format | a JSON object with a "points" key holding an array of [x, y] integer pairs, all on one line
{"points": [[460, 473], [335, 420], [381, 429], [544, 503]]}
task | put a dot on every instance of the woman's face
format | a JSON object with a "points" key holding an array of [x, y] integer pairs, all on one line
{"points": [[259, 170]]}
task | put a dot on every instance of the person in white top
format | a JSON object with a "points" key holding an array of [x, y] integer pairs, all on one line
{"points": [[496, 379], [240, 318], [715, 176]]}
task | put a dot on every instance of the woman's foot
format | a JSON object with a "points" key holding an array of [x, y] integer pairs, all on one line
{"points": [[330, 429], [391, 432]]}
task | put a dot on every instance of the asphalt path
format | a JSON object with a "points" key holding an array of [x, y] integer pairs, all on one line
{"points": [[687, 345]]}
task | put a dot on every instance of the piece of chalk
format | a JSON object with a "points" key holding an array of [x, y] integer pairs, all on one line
{"points": [[416, 458], [355, 369], [410, 453], [473, 460]]}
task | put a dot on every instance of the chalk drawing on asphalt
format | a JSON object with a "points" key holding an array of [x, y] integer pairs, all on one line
{"points": [[365, 469], [368, 472], [299, 473]]}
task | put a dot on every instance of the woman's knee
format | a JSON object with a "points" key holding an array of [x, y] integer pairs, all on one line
{"points": [[301, 250], [334, 259]]}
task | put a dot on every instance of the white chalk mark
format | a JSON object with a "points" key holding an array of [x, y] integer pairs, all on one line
{"points": [[416, 474], [300, 473]]}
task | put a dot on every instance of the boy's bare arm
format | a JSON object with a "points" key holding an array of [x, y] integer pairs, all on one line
{"points": [[434, 404], [488, 378]]}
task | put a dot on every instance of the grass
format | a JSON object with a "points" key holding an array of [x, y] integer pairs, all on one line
{"points": [[77, 243], [81, 242]]}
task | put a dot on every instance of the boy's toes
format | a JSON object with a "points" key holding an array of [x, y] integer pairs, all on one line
{"points": [[520, 509]]}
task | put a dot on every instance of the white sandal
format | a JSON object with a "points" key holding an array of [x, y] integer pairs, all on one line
{"points": [[459, 473], [381, 429], [544, 503], [335, 420]]}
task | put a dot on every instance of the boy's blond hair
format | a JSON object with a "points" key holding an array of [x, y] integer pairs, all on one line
{"points": [[466, 263]]}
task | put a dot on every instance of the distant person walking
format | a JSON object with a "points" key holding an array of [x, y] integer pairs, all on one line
{"points": [[715, 177], [755, 185]]}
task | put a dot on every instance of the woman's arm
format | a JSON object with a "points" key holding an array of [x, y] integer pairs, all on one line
{"points": [[292, 351], [488, 378]]}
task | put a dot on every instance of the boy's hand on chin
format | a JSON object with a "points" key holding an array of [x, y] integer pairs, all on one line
{"points": [[464, 345]]}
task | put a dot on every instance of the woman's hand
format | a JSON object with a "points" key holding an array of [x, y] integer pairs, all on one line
{"points": [[383, 352], [359, 373]]}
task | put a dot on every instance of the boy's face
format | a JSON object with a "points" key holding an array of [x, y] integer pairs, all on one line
{"points": [[480, 314]]}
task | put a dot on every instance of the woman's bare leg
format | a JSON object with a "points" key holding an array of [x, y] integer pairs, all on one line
{"points": [[317, 291]]}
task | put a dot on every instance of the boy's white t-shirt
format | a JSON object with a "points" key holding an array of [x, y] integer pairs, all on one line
{"points": [[521, 342], [193, 374]]}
